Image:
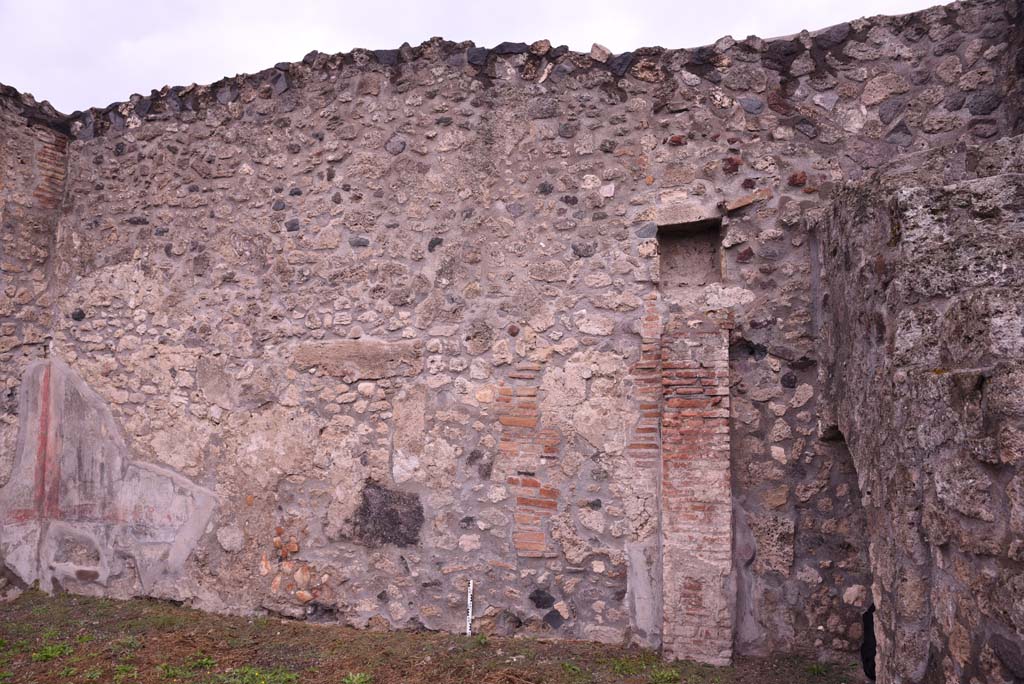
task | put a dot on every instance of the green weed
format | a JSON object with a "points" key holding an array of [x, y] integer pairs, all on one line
{"points": [[125, 673], [665, 676], [252, 675], [357, 678], [50, 652]]}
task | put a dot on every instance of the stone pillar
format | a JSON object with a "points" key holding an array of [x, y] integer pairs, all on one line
{"points": [[696, 502]]}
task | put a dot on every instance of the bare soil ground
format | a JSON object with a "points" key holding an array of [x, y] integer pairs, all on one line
{"points": [[72, 639]]}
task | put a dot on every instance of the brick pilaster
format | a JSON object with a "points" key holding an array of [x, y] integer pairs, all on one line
{"points": [[527, 445], [644, 446], [696, 504], [51, 160]]}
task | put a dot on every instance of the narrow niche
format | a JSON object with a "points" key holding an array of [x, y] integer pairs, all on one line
{"points": [[690, 256]]}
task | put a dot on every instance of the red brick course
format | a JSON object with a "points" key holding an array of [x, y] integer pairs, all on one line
{"points": [[695, 491], [51, 162], [524, 440]]}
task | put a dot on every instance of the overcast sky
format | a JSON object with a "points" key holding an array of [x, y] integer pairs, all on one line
{"points": [[83, 54]]}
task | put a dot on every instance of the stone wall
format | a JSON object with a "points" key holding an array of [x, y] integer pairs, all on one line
{"points": [[414, 317], [923, 350], [33, 145]]}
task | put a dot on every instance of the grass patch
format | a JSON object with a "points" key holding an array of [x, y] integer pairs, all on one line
{"points": [[633, 665], [252, 675], [51, 652], [70, 639], [357, 678], [126, 646], [665, 676], [125, 673]]}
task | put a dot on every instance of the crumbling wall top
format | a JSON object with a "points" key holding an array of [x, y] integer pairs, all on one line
{"points": [[727, 62]]}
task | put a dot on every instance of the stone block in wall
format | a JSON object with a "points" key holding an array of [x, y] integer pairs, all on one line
{"points": [[362, 359]]}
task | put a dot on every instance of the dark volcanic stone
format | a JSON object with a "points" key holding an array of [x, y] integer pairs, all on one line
{"points": [[984, 128], [807, 127], [545, 188], [434, 243], [803, 363], [279, 205], [778, 104], [889, 110], [954, 103], [387, 516], [751, 105], [291, 225], [568, 129], [619, 64], [116, 120], [77, 315], [386, 57], [920, 76], [984, 102], [832, 36], [788, 380], [554, 619], [541, 598], [900, 135], [506, 623], [780, 54], [647, 230], [279, 82], [584, 249], [477, 56], [1010, 653], [358, 241], [395, 145], [510, 48], [227, 94]]}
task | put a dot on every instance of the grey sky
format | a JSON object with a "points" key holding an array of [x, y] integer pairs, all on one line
{"points": [[81, 54]]}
